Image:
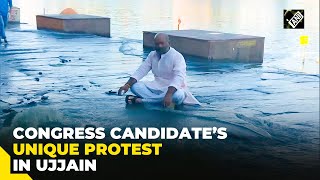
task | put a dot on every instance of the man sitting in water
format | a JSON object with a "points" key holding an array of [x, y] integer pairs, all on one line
{"points": [[169, 84]]}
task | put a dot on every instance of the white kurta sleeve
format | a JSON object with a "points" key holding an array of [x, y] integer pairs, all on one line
{"points": [[144, 68], [179, 72]]}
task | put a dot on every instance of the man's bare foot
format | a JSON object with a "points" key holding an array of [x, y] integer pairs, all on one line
{"points": [[130, 99]]}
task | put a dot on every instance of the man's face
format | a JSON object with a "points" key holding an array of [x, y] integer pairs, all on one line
{"points": [[161, 44]]}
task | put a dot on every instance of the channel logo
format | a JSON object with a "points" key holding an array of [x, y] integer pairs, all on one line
{"points": [[293, 19]]}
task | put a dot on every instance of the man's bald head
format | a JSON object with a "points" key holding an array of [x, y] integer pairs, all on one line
{"points": [[161, 43], [162, 36]]}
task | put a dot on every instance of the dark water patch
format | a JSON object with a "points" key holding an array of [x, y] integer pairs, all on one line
{"points": [[214, 98], [304, 125], [21, 53], [62, 51], [24, 30], [94, 84], [57, 65], [301, 82], [258, 90], [8, 117], [78, 86], [20, 49], [26, 70], [289, 73], [280, 113], [19, 59]]}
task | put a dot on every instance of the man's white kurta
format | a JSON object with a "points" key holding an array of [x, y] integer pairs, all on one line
{"points": [[168, 70]]}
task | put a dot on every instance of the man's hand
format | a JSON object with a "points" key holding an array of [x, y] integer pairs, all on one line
{"points": [[168, 97], [124, 88], [167, 100]]}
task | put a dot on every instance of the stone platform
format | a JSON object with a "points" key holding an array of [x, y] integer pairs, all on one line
{"points": [[75, 23], [213, 45], [14, 15]]}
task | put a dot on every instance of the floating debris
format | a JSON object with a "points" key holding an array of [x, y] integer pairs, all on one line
{"points": [[63, 60], [32, 103], [44, 98], [111, 92]]}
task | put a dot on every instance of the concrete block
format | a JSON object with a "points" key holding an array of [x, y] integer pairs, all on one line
{"points": [[75, 23], [14, 15], [213, 45]]}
